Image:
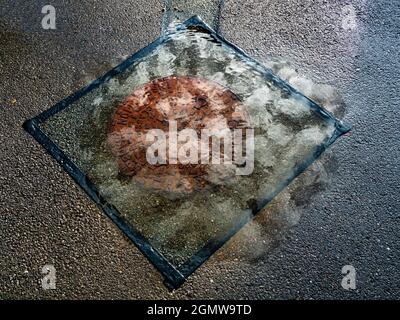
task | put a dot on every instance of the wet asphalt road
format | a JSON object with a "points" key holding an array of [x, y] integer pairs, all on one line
{"points": [[45, 218]]}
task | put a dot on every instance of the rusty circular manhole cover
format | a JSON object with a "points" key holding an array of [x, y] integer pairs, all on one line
{"points": [[192, 103]]}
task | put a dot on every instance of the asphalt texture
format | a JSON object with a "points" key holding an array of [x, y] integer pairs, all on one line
{"points": [[45, 218]]}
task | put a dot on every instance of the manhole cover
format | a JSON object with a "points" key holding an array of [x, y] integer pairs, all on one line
{"points": [[184, 142], [187, 103]]}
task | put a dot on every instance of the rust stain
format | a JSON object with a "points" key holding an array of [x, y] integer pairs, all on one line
{"points": [[193, 103]]}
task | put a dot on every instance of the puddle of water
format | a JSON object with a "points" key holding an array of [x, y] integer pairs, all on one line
{"points": [[272, 225], [186, 227]]}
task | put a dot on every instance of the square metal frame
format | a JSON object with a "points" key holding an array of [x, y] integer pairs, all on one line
{"points": [[174, 277]]}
